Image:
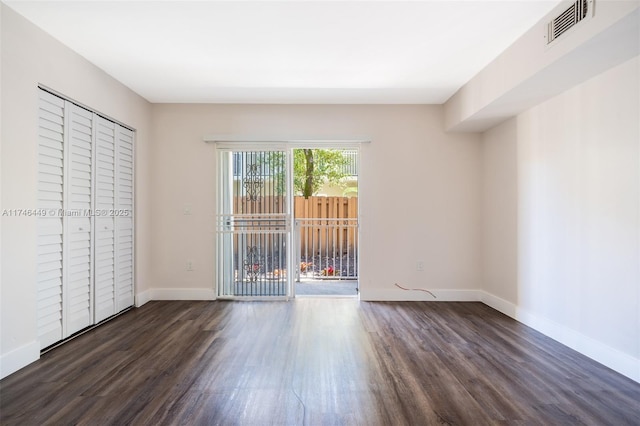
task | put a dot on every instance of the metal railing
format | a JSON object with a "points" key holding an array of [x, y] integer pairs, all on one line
{"points": [[351, 168], [326, 249], [256, 261]]}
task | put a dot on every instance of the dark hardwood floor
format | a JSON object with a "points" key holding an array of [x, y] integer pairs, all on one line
{"points": [[316, 362]]}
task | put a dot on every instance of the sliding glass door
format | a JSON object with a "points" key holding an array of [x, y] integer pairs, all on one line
{"points": [[253, 231]]}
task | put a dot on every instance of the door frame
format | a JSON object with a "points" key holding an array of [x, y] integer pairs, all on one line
{"points": [[224, 143]]}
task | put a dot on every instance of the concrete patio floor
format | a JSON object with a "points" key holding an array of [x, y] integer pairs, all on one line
{"points": [[327, 288]]}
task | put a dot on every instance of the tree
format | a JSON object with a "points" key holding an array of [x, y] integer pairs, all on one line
{"points": [[313, 167]]}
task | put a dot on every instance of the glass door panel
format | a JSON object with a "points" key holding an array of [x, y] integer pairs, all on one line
{"points": [[253, 224]]}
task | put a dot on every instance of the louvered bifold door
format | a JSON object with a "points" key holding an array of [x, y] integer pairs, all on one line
{"points": [[49, 220], [124, 218], [78, 300], [104, 229]]}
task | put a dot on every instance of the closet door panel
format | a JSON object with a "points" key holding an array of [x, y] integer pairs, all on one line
{"points": [[85, 224], [49, 222], [125, 263], [124, 219], [104, 245], [78, 308]]}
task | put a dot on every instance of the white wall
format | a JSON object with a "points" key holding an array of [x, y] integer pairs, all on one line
{"points": [[419, 193], [500, 212], [29, 57], [578, 210]]}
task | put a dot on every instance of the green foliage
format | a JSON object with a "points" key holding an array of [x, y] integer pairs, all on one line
{"points": [[311, 169]]}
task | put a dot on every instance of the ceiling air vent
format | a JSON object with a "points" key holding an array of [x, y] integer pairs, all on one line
{"points": [[567, 19]]}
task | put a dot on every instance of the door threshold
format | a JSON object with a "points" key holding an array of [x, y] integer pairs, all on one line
{"points": [[327, 296]]}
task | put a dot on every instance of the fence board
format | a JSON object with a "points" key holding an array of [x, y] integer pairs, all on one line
{"points": [[327, 235], [317, 238]]}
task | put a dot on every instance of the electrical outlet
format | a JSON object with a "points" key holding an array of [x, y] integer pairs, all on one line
{"points": [[420, 265], [189, 265], [186, 210]]}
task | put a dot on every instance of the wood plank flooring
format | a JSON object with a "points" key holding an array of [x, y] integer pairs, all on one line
{"points": [[316, 362]]}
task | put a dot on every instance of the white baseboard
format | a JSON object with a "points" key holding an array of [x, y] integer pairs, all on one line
{"points": [[143, 297], [618, 361], [498, 304], [19, 358], [399, 295]]}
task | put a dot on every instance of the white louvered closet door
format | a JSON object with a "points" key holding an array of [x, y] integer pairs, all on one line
{"points": [[78, 297], [104, 231], [49, 241], [85, 267], [124, 218]]}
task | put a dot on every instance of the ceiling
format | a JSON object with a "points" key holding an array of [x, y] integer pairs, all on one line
{"points": [[416, 52]]}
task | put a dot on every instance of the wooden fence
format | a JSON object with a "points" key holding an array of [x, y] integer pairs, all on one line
{"points": [[328, 225], [262, 205], [304, 208], [319, 236], [325, 207], [326, 233]]}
